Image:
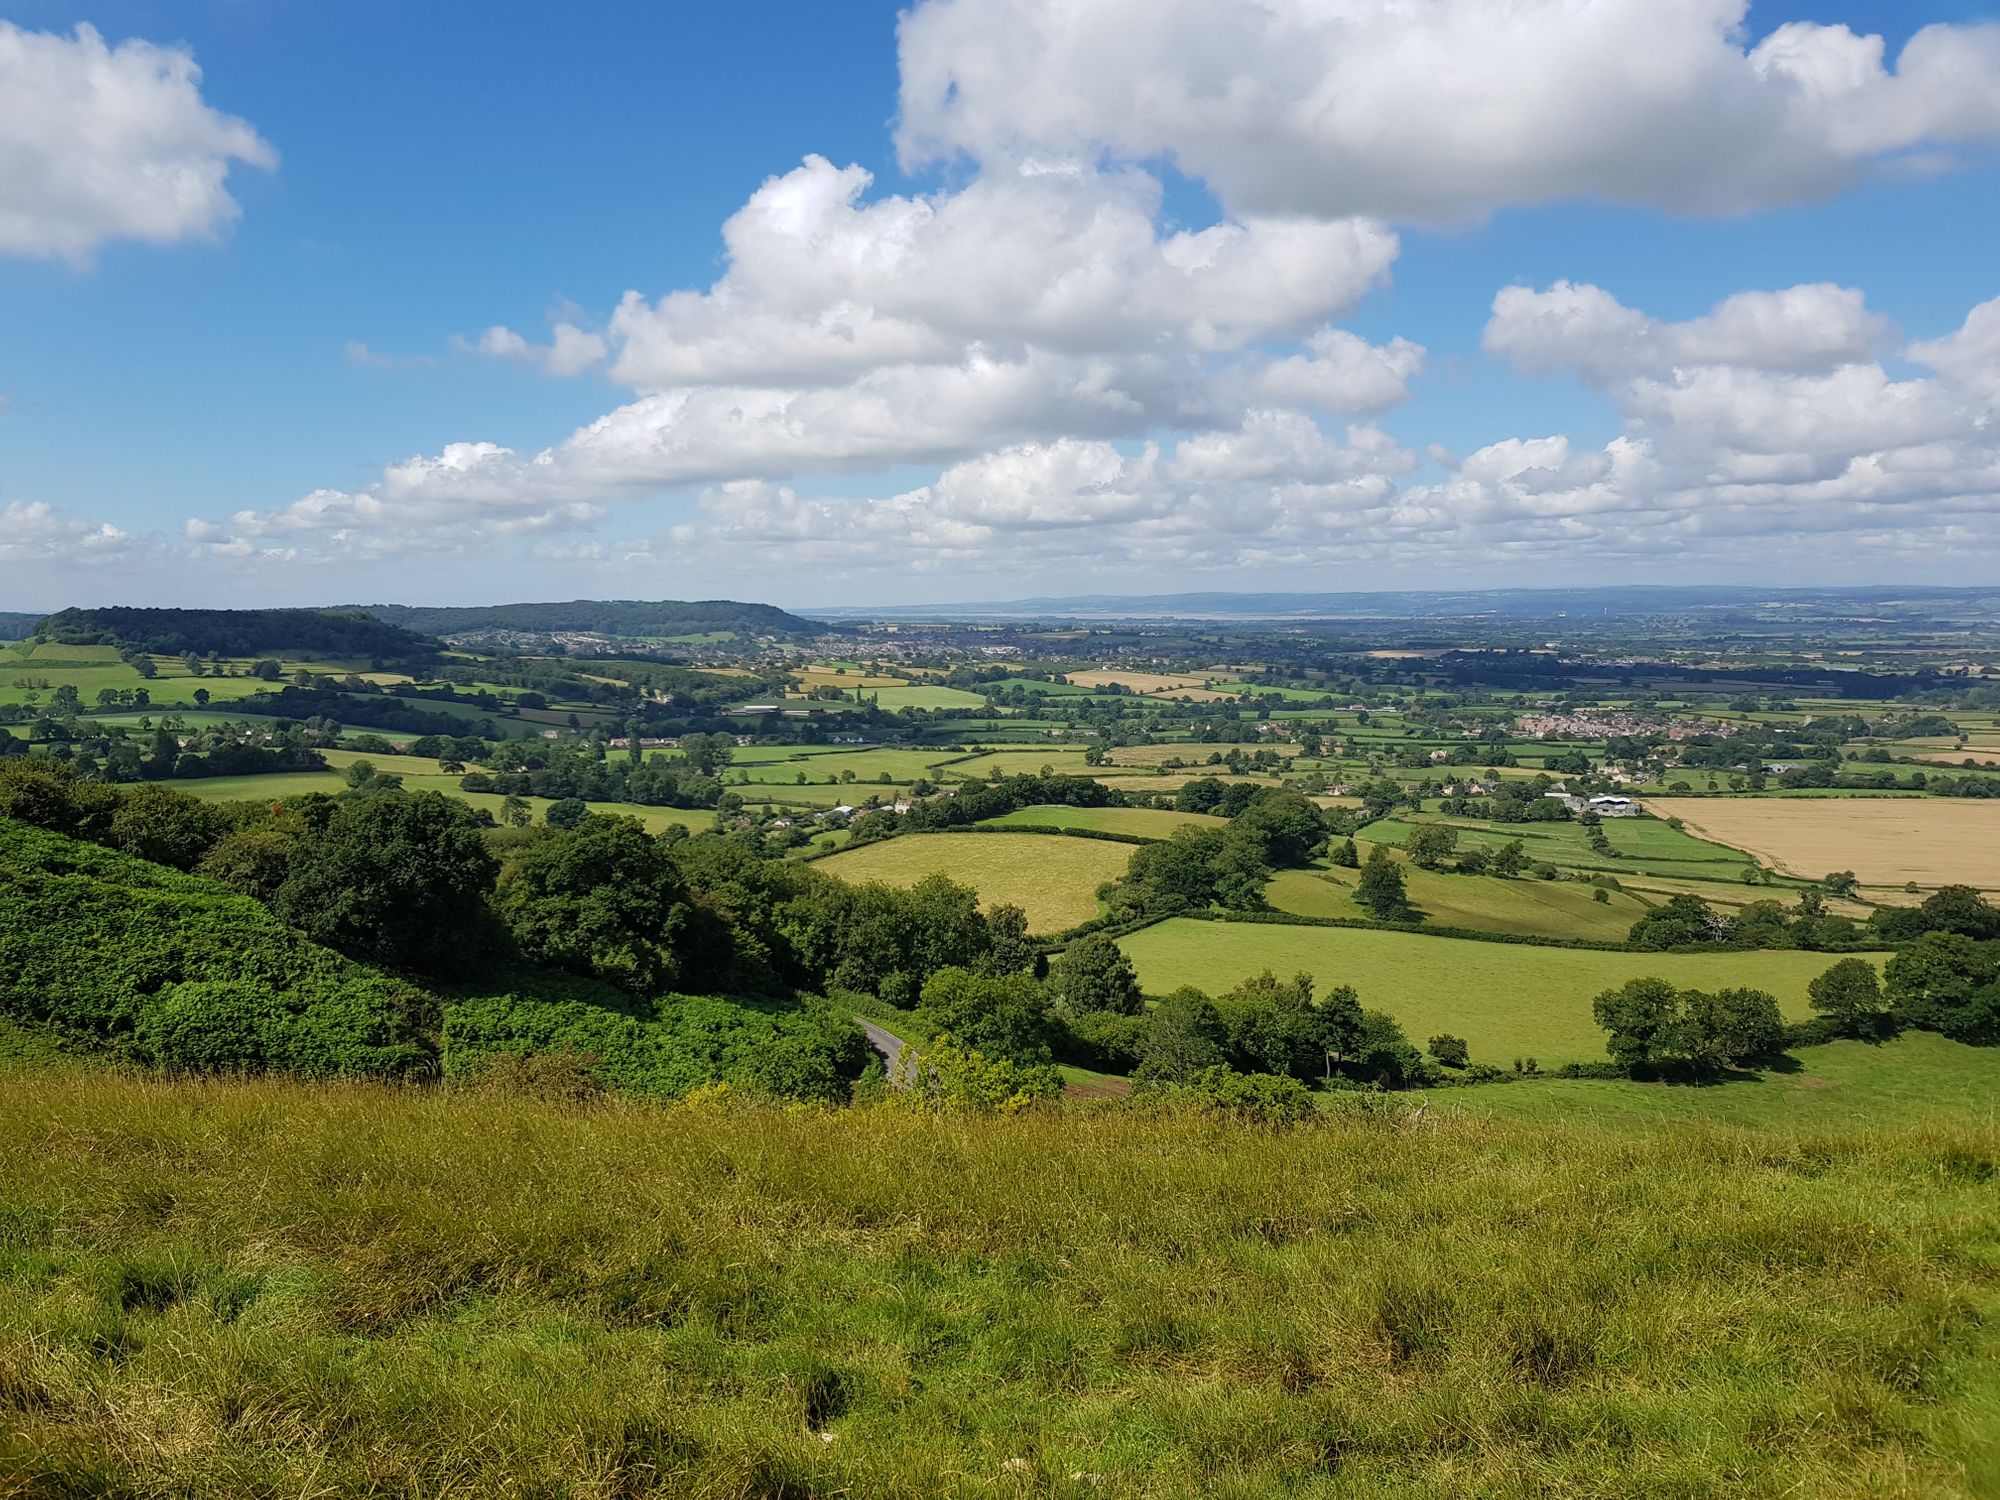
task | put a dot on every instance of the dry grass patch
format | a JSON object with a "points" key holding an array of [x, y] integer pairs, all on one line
{"points": [[1884, 840], [1138, 682], [1053, 878]]}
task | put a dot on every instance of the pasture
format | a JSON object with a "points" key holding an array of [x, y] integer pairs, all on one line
{"points": [[1191, 753], [1507, 999], [831, 765], [1481, 903], [1933, 841], [1917, 1077], [1138, 822], [418, 775], [1643, 845], [257, 1287], [1063, 760], [1052, 878]]}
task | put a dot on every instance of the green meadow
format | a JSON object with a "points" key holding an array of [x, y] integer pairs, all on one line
{"points": [[1918, 1077], [1480, 903], [1643, 845], [1507, 1000], [1135, 822]]}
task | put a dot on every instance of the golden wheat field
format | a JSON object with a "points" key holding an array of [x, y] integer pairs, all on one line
{"points": [[1884, 841]]}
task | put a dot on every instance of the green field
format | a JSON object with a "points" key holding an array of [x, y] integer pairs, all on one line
{"points": [[901, 766], [260, 1287], [274, 787], [1052, 878], [419, 775], [1842, 1086], [1139, 822], [1644, 845], [1483, 903], [1507, 999], [1064, 760]]}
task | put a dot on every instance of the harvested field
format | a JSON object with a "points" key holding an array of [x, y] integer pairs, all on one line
{"points": [[1885, 841], [1051, 877]]}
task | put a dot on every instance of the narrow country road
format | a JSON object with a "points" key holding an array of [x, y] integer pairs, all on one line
{"points": [[886, 1043]]}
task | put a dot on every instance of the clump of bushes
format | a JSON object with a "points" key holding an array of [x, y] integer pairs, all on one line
{"points": [[173, 971]]}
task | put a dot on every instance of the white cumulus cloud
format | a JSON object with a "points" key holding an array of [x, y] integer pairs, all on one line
{"points": [[1441, 109], [102, 143], [570, 351]]}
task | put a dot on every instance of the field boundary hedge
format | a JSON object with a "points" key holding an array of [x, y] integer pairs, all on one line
{"points": [[1527, 939]]}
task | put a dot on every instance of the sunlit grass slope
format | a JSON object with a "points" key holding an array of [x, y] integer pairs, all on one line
{"points": [[261, 1288], [1054, 879]]}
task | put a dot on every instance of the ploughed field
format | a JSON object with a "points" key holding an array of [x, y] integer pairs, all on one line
{"points": [[1507, 1000], [1052, 877], [1884, 840]]}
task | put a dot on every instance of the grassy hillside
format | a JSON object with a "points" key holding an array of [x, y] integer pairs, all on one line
{"points": [[1507, 999], [263, 1288]]}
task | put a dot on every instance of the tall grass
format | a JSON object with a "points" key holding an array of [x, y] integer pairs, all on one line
{"points": [[254, 1288]]}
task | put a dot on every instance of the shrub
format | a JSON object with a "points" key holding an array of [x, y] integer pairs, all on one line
{"points": [[1256, 1098], [942, 1074], [1849, 997], [166, 827], [1450, 1050], [669, 1046], [48, 795], [1093, 974], [1104, 1040], [171, 969], [603, 899], [563, 1076]]}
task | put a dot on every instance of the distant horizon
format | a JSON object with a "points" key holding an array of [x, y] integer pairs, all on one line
{"points": [[1104, 603]]}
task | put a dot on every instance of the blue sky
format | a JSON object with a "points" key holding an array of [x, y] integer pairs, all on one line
{"points": [[431, 178]]}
